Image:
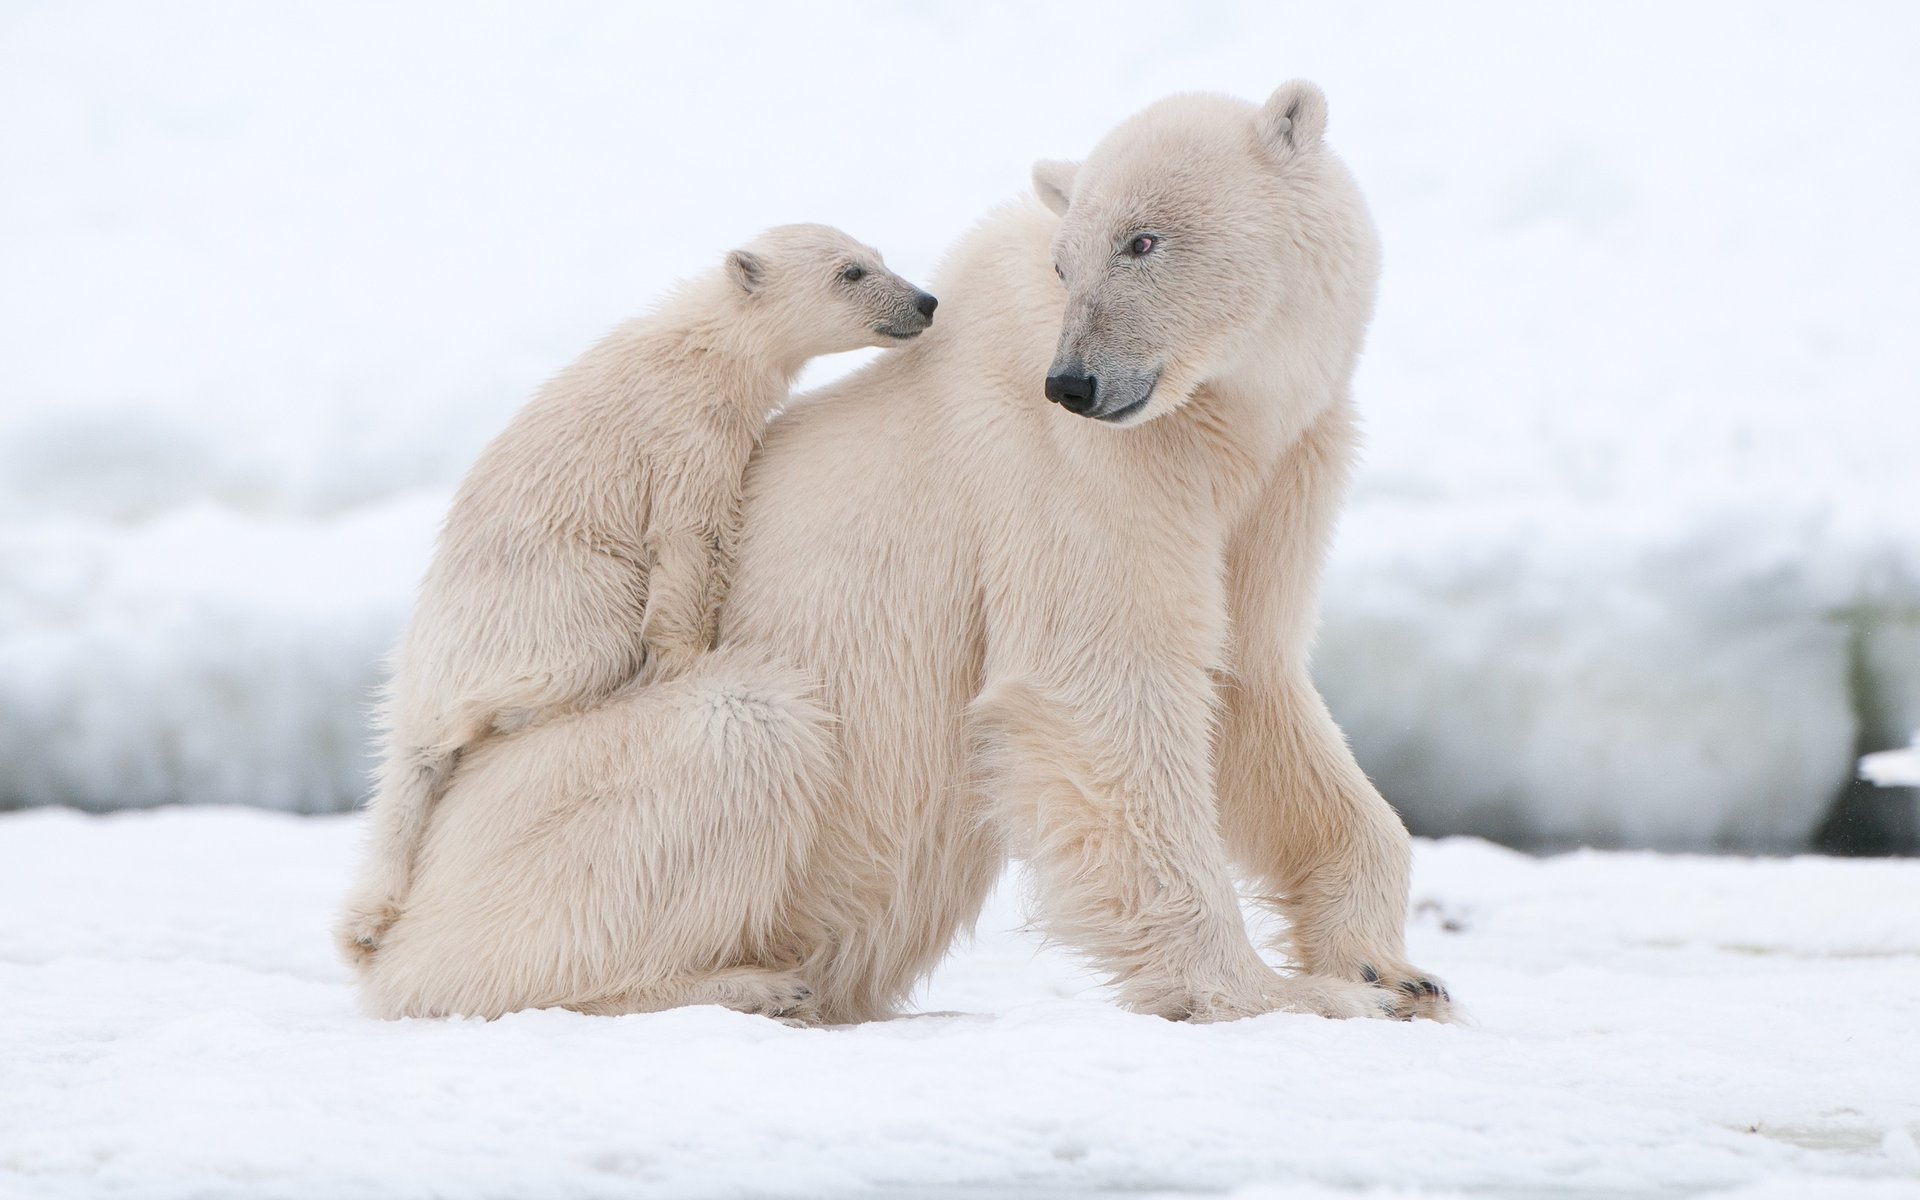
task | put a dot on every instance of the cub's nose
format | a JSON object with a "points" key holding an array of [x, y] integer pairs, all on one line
{"points": [[926, 304], [1072, 392]]}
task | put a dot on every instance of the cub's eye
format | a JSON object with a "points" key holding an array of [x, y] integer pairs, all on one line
{"points": [[853, 273], [1059, 272], [1143, 245]]}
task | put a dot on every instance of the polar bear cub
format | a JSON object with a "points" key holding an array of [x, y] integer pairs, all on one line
{"points": [[593, 539]]}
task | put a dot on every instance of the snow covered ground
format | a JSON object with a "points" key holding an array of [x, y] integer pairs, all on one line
{"points": [[1894, 768], [1634, 557], [1645, 1026]]}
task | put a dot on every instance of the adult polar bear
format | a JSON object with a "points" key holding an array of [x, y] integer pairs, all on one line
{"points": [[968, 622]]}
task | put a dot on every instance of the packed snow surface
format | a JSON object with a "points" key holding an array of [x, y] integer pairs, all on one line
{"points": [[1642, 1026], [1894, 768], [1634, 556]]}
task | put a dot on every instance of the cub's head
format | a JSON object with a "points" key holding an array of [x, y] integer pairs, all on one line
{"points": [[1183, 236], [822, 292]]}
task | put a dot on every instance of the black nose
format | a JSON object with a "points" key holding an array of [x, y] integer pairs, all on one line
{"points": [[926, 304], [1072, 392]]}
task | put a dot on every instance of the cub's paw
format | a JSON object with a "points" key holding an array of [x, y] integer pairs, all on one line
{"points": [[667, 658], [1414, 993], [361, 927]]}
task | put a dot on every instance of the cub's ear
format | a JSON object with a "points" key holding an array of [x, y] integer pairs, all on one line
{"points": [[1293, 118], [1053, 183], [746, 270]]}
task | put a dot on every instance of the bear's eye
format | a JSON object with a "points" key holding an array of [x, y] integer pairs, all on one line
{"points": [[1059, 272], [1142, 245], [853, 272]]}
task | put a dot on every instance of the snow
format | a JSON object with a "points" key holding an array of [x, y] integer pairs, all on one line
{"points": [[1643, 1025], [1893, 768], [1634, 557]]}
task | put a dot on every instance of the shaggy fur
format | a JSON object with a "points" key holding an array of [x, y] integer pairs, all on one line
{"points": [[967, 623], [594, 539]]}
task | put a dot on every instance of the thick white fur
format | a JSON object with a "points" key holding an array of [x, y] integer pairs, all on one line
{"points": [[594, 538], [966, 623]]}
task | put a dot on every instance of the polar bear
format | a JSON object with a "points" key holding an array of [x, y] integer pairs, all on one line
{"points": [[594, 537], [969, 623]]}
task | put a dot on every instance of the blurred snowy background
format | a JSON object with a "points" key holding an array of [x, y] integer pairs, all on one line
{"points": [[1634, 558]]}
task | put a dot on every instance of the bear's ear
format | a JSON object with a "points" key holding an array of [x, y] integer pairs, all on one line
{"points": [[1293, 118], [745, 269], [1053, 183]]}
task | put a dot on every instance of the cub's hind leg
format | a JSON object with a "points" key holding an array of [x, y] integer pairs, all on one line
{"points": [[411, 780]]}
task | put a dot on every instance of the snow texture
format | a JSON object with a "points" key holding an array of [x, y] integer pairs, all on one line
{"points": [[1893, 768], [1644, 1026], [1634, 556]]}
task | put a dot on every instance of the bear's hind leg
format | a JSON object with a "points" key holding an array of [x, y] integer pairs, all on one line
{"points": [[782, 995], [589, 860]]}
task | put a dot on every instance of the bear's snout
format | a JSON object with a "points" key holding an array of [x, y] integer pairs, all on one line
{"points": [[1073, 390], [925, 303]]}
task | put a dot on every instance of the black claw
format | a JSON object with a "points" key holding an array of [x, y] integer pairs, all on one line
{"points": [[1430, 987], [1410, 987], [1369, 974]]}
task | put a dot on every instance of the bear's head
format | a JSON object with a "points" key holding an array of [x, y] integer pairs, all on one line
{"points": [[818, 291], [1190, 239]]}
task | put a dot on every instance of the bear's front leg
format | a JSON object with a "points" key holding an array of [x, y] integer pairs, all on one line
{"points": [[1113, 807], [1328, 852], [1298, 814]]}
